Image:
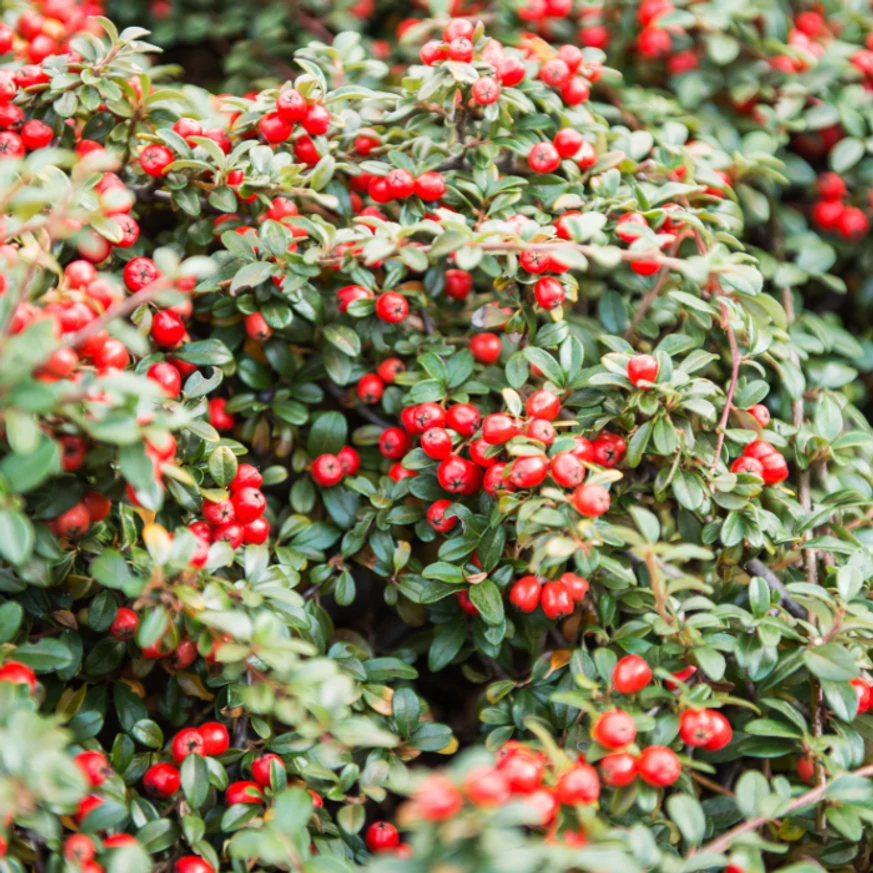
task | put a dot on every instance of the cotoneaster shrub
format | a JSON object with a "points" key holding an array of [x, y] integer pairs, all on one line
{"points": [[492, 383]]}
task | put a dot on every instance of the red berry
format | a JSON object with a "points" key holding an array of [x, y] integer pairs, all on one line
{"points": [[555, 73], [317, 120], [631, 674], [525, 594], [529, 471], [216, 739], [436, 516], [433, 51], [392, 307], [430, 186], [349, 460], [139, 273], [461, 49], [568, 141], [400, 184], [543, 404], [243, 792], [658, 766], [567, 470], [806, 769], [370, 389], [193, 864], [576, 585], [262, 768], [95, 766], [291, 106], [458, 475], [389, 368], [544, 158], [540, 429], [486, 90], [511, 70], [591, 500], [722, 733], [549, 293], [853, 224], [827, 213], [642, 368], [618, 769], [614, 729], [436, 443], [437, 799], [556, 600], [775, 469], [71, 524], [459, 283], [155, 159], [381, 836], [79, 849], [831, 186], [327, 471], [579, 784], [464, 419], [162, 780], [247, 476], [248, 504], [167, 328], [273, 129], [36, 135], [257, 328], [486, 786], [499, 428], [760, 413], [394, 443], [463, 598], [485, 348], [608, 450], [187, 742], [696, 727], [124, 624]]}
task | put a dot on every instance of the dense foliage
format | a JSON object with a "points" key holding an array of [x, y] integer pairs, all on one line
{"points": [[481, 381]]}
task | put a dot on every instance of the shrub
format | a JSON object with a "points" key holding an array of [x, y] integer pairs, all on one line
{"points": [[487, 389]]}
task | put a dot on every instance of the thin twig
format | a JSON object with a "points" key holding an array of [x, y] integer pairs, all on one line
{"points": [[645, 304], [735, 375], [719, 845]]}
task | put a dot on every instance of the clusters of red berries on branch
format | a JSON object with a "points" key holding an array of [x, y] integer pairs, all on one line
{"points": [[237, 520], [831, 212], [763, 460], [329, 470]]}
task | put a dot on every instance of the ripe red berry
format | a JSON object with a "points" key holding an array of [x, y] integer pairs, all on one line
{"points": [[155, 159], [436, 516], [140, 272], [618, 769], [529, 471], [436, 798], [458, 475], [400, 183], [827, 213], [568, 141], [273, 129], [485, 348], [461, 49], [831, 186], [614, 729], [317, 120], [549, 293], [853, 224], [459, 283], [291, 106], [511, 70], [522, 769], [349, 460], [579, 784], [327, 471], [722, 733], [760, 413], [525, 593], [167, 328], [659, 766], [696, 727], [486, 786], [430, 186], [567, 470], [464, 419], [591, 500], [775, 469], [556, 600], [162, 780], [389, 368], [243, 792], [436, 443], [247, 476], [499, 428], [257, 328], [631, 674], [544, 158], [381, 836], [576, 585], [806, 769], [262, 768], [543, 404], [71, 524], [124, 624], [79, 849], [642, 368], [540, 429], [95, 767], [486, 90], [216, 740], [187, 742], [370, 389], [608, 450], [433, 51], [193, 864], [394, 443], [248, 504], [392, 307]]}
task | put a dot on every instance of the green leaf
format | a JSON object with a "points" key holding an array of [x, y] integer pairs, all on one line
{"points": [[223, 466], [195, 780], [487, 599], [447, 642], [344, 338], [688, 816], [16, 536], [831, 661]]}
